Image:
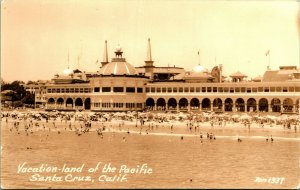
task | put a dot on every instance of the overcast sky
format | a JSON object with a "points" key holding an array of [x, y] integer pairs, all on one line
{"points": [[36, 35]]}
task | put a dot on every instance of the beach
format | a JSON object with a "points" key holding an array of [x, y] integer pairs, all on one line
{"points": [[172, 148]]}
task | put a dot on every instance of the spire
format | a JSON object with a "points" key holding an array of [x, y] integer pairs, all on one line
{"points": [[149, 57], [105, 55], [149, 61]]}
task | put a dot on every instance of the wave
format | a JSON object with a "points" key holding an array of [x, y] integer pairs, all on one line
{"points": [[234, 137]]}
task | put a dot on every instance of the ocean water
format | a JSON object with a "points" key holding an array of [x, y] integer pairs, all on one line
{"points": [[175, 162]]}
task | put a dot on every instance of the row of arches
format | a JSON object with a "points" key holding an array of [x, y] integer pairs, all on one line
{"points": [[69, 103], [275, 105], [251, 104]]}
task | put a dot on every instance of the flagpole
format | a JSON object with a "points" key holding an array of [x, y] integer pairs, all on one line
{"points": [[199, 57], [269, 59]]}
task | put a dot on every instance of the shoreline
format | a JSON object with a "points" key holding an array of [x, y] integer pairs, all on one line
{"points": [[180, 129]]}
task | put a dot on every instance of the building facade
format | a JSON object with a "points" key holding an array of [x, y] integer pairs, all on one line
{"points": [[118, 86]]}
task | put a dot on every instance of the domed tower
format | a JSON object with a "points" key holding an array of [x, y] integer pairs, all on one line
{"points": [[118, 65], [117, 87]]}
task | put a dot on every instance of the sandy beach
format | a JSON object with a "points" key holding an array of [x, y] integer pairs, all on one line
{"points": [[172, 148]]}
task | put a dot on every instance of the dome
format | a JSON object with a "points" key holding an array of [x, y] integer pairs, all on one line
{"points": [[117, 68], [67, 71], [199, 68], [197, 75]]}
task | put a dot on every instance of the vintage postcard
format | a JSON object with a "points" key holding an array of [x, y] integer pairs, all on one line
{"points": [[150, 94]]}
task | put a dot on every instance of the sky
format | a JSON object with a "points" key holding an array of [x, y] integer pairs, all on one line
{"points": [[38, 35]]}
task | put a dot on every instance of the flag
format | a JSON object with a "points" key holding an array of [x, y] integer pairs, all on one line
{"points": [[268, 52]]}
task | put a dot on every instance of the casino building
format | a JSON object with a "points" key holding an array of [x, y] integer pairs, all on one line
{"points": [[118, 86]]}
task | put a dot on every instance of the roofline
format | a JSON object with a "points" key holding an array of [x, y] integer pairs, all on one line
{"points": [[160, 67]]}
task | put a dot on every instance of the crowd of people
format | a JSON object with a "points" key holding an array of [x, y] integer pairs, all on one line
{"points": [[141, 122]]}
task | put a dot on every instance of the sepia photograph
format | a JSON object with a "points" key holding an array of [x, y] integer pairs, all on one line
{"points": [[114, 94]]}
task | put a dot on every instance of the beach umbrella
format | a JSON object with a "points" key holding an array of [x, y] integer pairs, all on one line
{"points": [[235, 116], [245, 117]]}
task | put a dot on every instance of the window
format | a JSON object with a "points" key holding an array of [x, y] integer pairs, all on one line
{"points": [[130, 89], [169, 90], [260, 89], [198, 89], [266, 89], [106, 105], [248, 90], [48, 90], [106, 89], [272, 89], [254, 89], [284, 89], [139, 105], [226, 89], [158, 90], [297, 89], [58, 90], [175, 89], [243, 89], [96, 89], [130, 105], [96, 104], [152, 89], [180, 89], [118, 89], [192, 89], [186, 89], [203, 89], [215, 89], [237, 89], [231, 90], [220, 89], [163, 90], [208, 89], [81, 90], [278, 89], [62, 90], [76, 90], [71, 90], [291, 89], [67, 90], [118, 105], [147, 89], [140, 90]]}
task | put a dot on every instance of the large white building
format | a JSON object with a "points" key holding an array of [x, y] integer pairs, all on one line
{"points": [[118, 86]]}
